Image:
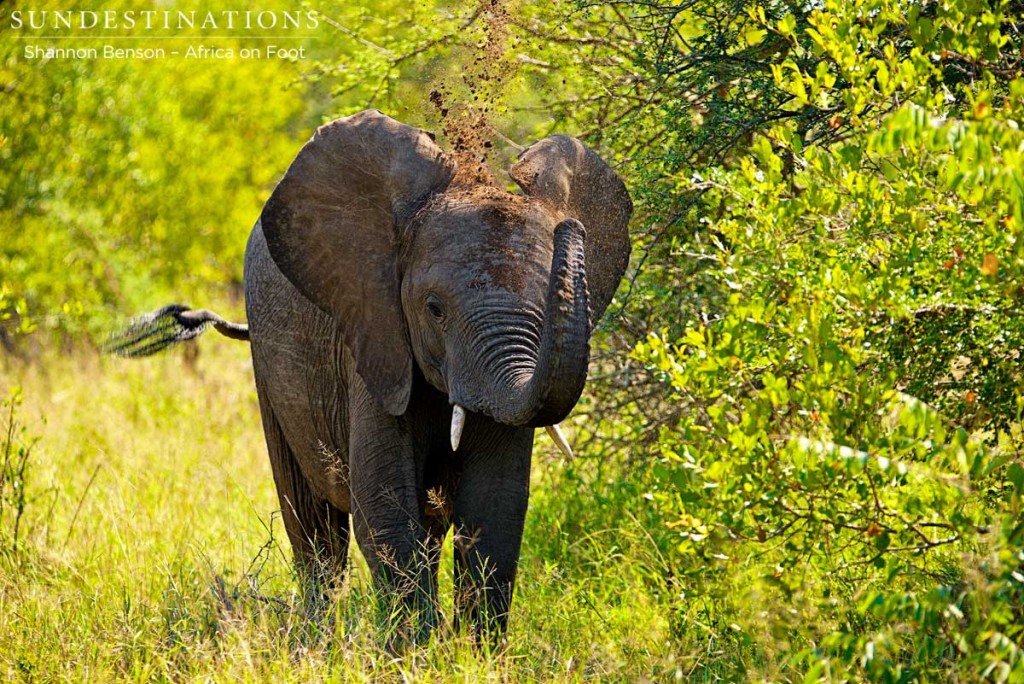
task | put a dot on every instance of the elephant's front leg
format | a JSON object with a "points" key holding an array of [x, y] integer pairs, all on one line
{"points": [[388, 518], [489, 513]]}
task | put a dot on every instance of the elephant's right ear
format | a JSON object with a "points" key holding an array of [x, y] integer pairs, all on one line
{"points": [[569, 176], [332, 226]]}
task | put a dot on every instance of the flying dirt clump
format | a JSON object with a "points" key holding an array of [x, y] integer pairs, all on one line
{"points": [[465, 119]]}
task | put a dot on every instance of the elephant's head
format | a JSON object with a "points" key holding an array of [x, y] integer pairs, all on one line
{"points": [[492, 294]]}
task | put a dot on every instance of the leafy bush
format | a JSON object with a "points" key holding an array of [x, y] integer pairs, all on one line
{"points": [[845, 442], [126, 182]]}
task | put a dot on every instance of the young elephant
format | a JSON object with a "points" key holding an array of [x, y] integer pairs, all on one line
{"points": [[409, 331]]}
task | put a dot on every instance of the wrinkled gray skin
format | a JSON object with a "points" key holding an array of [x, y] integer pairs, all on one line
{"points": [[380, 292]]}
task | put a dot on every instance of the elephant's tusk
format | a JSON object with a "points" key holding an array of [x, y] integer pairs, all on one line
{"points": [[458, 421], [556, 435]]}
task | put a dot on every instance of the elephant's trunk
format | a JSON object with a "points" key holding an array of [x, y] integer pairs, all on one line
{"points": [[548, 394]]}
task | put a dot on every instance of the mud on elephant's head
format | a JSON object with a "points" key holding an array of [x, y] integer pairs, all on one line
{"points": [[492, 294]]}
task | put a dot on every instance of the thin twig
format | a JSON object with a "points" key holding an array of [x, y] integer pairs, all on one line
{"points": [[78, 508]]}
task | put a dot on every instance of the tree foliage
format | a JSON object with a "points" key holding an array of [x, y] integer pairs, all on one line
{"points": [[128, 181], [842, 434]]}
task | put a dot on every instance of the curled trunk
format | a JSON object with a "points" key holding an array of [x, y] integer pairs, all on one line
{"points": [[549, 393]]}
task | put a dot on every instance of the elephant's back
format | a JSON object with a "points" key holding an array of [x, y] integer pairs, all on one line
{"points": [[297, 363]]}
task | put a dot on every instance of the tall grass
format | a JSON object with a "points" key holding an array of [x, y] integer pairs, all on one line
{"points": [[151, 549]]}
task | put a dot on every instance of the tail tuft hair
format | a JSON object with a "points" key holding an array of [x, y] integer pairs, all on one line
{"points": [[154, 332]]}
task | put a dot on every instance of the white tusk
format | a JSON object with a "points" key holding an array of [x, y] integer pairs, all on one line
{"points": [[559, 439], [458, 421]]}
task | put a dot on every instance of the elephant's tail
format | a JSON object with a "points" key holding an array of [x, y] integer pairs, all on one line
{"points": [[156, 331]]}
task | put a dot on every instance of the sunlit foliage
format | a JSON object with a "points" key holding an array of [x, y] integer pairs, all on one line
{"points": [[124, 180]]}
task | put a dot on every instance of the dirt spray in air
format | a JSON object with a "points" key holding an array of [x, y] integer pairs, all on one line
{"points": [[466, 107]]}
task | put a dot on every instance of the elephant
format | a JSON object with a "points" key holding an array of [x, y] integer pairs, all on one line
{"points": [[409, 330]]}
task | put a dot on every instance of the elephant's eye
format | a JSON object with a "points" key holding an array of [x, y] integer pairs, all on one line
{"points": [[434, 308]]}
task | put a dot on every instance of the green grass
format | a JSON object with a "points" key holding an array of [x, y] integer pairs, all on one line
{"points": [[150, 549]]}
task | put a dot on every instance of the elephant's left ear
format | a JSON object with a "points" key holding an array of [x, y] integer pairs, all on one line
{"points": [[570, 177], [334, 227]]}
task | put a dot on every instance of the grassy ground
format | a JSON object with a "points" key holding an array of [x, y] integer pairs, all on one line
{"points": [[150, 549]]}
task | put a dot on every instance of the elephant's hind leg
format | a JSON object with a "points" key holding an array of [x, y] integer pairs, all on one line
{"points": [[317, 530]]}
